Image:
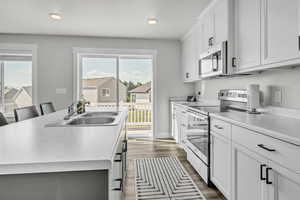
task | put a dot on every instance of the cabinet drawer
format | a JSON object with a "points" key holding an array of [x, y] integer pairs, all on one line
{"points": [[283, 153], [220, 127], [197, 164]]}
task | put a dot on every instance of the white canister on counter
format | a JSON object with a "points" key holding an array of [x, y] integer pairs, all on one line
{"points": [[253, 98]]}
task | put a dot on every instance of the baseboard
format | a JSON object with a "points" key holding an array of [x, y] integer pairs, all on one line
{"points": [[162, 135]]}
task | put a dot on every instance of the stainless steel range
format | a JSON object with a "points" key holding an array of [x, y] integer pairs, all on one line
{"points": [[197, 135], [197, 139]]}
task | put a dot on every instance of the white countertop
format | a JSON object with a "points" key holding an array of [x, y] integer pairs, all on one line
{"points": [[280, 127], [276, 126], [30, 147]]}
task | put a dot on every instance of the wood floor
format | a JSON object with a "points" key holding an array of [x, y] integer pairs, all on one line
{"points": [[141, 148]]}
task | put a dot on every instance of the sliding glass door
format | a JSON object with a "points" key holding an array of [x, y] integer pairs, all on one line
{"points": [[120, 81]]}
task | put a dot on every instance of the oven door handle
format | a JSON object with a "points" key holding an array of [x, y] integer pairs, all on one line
{"points": [[198, 116]]}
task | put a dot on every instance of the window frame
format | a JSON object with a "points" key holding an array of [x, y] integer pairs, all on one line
{"points": [[107, 94], [22, 51], [78, 52]]}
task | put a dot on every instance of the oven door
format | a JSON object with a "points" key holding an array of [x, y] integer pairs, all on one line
{"points": [[197, 135]]}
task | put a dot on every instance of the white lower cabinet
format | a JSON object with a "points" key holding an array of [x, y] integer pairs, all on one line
{"points": [[247, 183], [180, 124], [221, 163], [246, 165], [284, 184]]}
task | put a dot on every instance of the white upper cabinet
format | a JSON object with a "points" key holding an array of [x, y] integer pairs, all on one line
{"points": [[221, 23], [187, 58], [247, 33], [280, 30], [190, 55], [214, 25], [207, 32], [266, 34]]}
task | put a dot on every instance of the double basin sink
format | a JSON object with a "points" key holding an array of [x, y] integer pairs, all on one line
{"points": [[90, 119]]}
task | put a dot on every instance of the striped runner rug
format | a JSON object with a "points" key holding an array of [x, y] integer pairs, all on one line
{"points": [[164, 178]]}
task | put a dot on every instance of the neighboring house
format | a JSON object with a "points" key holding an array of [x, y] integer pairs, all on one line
{"points": [[16, 98], [103, 90], [24, 97], [141, 94]]}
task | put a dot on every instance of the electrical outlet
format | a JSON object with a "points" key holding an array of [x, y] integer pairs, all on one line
{"points": [[61, 90], [276, 96]]}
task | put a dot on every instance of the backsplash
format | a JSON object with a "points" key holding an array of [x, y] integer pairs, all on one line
{"points": [[285, 83]]}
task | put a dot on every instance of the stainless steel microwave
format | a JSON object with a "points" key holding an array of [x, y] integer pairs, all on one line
{"points": [[214, 61]]}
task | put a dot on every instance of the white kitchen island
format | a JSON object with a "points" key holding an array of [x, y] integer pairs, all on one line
{"points": [[40, 162]]}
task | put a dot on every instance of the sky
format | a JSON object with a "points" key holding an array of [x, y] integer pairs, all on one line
{"points": [[134, 70], [17, 73]]}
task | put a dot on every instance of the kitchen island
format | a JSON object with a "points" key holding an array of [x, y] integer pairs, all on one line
{"points": [[70, 162]]}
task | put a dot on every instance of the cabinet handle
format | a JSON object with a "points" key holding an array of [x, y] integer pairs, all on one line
{"points": [[125, 147], [218, 127], [121, 184], [299, 43], [261, 172], [187, 75], [267, 176], [266, 148], [119, 160], [210, 41], [233, 61]]}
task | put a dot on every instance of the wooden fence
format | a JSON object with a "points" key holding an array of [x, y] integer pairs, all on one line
{"points": [[139, 116]]}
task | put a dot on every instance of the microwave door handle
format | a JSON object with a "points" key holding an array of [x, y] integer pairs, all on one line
{"points": [[215, 62], [224, 57]]}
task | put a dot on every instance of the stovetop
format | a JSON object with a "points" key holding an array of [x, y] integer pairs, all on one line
{"points": [[206, 109]]}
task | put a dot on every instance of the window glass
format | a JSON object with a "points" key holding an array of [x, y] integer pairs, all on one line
{"points": [[16, 84]]}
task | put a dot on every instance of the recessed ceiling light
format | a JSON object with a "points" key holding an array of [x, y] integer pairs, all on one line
{"points": [[152, 21], [55, 16]]}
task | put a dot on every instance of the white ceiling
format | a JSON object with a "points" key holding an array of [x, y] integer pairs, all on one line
{"points": [[110, 18]]}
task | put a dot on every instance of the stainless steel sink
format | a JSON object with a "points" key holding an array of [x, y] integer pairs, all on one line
{"points": [[100, 114], [103, 118], [92, 121]]}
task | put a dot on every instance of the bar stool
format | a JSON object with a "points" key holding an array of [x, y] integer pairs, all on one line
{"points": [[3, 120], [47, 108], [25, 113]]}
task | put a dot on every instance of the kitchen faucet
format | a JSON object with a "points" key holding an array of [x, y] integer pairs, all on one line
{"points": [[71, 111]]}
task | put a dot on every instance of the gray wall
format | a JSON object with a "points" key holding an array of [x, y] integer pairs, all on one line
{"points": [[287, 79], [55, 67]]}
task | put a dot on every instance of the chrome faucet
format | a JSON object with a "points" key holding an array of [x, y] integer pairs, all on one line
{"points": [[71, 111]]}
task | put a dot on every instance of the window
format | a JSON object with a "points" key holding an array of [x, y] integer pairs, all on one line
{"points": [[99, 80], [105, 92], [16, 82]]}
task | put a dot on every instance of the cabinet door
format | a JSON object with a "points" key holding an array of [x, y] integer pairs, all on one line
{"points": [[189, 59], [184, 61], [221, 21], [280, 31], [247, 33], [246, 168], [207, 28], [177, 128], [221, 163], [285, 185]]}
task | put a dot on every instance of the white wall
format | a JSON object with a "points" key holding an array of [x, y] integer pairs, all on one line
{"points": [[287, 79], [55, 68]]}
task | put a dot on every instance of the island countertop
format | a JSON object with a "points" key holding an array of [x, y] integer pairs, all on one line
{"points": [[31, 147]]}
